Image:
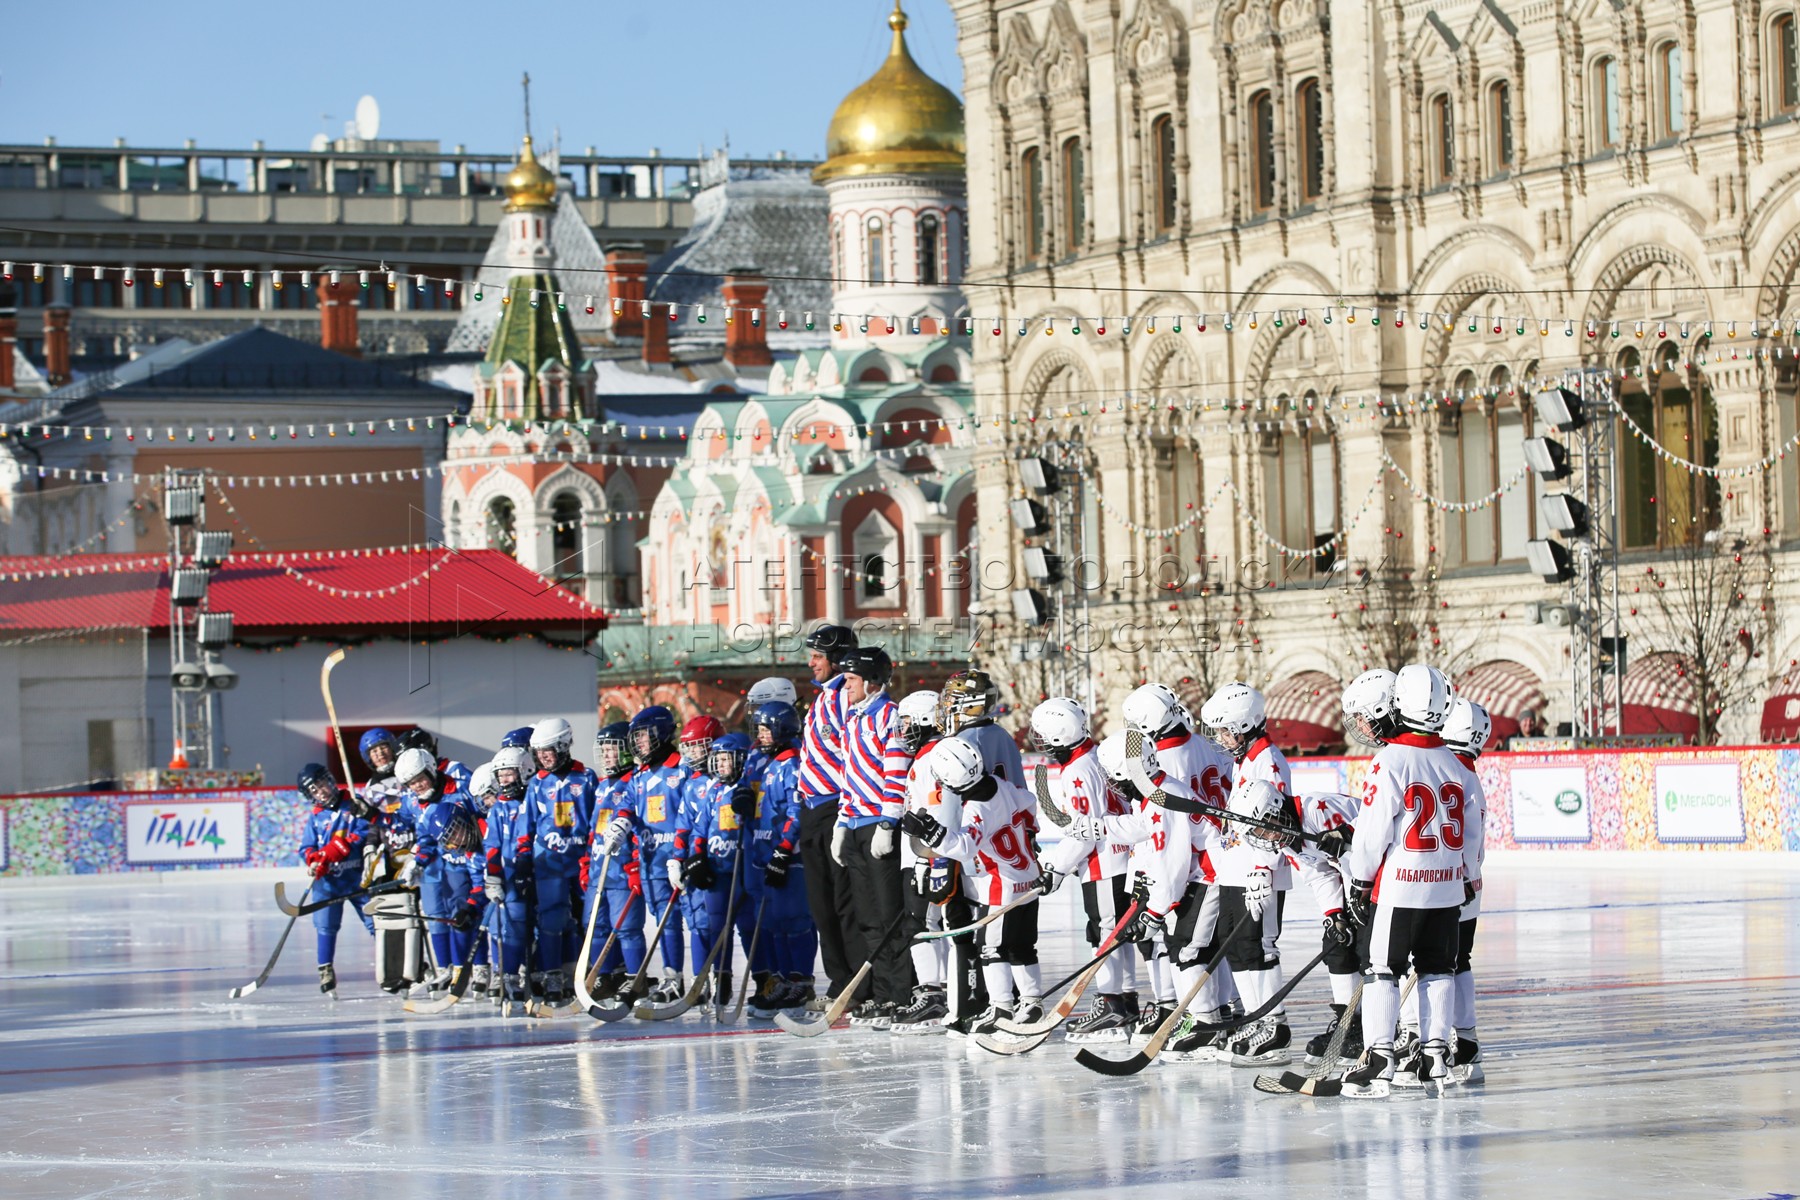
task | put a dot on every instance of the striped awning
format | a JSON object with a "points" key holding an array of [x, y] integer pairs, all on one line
{"points": [[1306, 712], [1658, 697], [1507, 690]]}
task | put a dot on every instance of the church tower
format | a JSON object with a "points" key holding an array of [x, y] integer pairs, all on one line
{"points": [[894, 171]]}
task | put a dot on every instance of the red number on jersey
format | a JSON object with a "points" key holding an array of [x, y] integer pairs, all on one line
{"points": [[1006, 842], [1212, 788], [1423, 803]]}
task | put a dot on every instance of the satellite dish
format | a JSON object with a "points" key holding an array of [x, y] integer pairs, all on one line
{"points": [[368, 119], [320, 143]]}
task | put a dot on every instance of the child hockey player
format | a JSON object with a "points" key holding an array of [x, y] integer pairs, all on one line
{"points": [[331, 845], [620, 894], [558, 809], [777, 877]]}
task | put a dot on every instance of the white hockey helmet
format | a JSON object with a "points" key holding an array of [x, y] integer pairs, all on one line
{"points": [[1112, 754], [956, 764], [765, 691], [553, 733], [1369, 712], [918, 708], [1468, 727], [414, 764], [1153, 708], [1262, 801], [1422, 694], [1233, 716], [1058, 724], [517, 760], [482, 784]]}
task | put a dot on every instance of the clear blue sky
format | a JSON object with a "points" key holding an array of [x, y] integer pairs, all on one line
{"points": [[620, 76]]}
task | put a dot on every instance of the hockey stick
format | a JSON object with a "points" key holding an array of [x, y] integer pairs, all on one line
{"points": [[845, 998], [1137, 1062], [460, 975], [737, 1014], [543, 1010], [289, 908], [646, 1011], [584, 981], [238, 993], [1140, 778], [1040, 782], [994, 914], [1269, 1006], [610, 1010], [332, 660], [1290, 1083], [1038, 1032]]}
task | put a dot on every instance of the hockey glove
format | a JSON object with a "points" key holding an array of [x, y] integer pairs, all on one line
{"points": [[885, 842], [1336, 842], [1140, 891], [617, 834], [1084, 827], [1338, 928], [839, 835], [524, 869], [496, 890], [1360, 903], [409, 874], [1145, 926], [775, 875], [1258, 890], [586, 866], [697, 873], [743, 803], [634, 876], [922, 825], [467, 917], [1047, 881], [1469, 893], [315, 862], [677, 871]]}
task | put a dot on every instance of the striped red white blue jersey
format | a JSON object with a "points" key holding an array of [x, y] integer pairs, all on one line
{"points": [[821, 745], [874, 781]]}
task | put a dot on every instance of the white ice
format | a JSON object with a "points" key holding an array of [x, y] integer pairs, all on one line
{"points": [[1640, 1017]]}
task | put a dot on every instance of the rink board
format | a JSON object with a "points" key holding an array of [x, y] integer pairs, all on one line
{"points": [[1716, 798]]}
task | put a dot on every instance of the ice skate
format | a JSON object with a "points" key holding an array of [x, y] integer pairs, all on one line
{"points": [[925, 1014], [1150, 1019], [420, 990], [668, 990], [1320, 1042], [1106, 1021], [440, 980], [517, 997], [1467, 1067], [989, 1021], [1266, 1045], [1372, 1078], [1190, 1042], [1028, 1011], [328, 980], [1427, 1070], [767, 999], [481, 979], [608, 985]]}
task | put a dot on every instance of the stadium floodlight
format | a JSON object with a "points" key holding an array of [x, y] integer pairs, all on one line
{"points": [[1549, 560], [212, 547], [1030, 606], [1040, 475], [1031, 517], [219, 677], [1043, 566], [1560, 409], [1566, 515], [213, 630], [1548, 458], [183, 505], [187, 586]]}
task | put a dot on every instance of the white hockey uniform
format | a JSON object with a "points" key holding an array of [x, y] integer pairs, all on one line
{"points": [[1325, 877], [1205, 771], [1238, 857], [1476, 810], [1080, 787], [992, 839], [1413, 831], [1166, 846]]}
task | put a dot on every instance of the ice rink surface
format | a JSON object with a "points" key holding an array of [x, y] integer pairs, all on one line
{"points": [[1640, 1019]]}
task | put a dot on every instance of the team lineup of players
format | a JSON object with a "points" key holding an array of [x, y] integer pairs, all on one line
{"points": [[837, 834]]}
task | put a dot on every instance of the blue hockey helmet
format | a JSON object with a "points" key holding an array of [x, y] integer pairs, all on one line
{"points": [[652, 734], [781, 719], [726, 756], [378, 737], [618, 735], [520, 737], [311, 777]]}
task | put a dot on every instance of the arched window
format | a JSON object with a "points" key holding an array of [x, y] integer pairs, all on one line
{"points": [[1162, 137], [565, 536], [502, 534], [453, 530], [1500, 130], [1666, 72], [1482, 447], [929, 248], [1784, 64], [1262, 151], [1074, 199], [1442, 138], [1603, 91], [1309, 105], [1031, 176], [876, 546], [1661, 504], [876, 268]]}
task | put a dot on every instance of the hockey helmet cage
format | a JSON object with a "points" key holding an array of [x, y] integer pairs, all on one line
{"points": [[1262, 801], [1153, 709], [1369, 714], [967, 697]]}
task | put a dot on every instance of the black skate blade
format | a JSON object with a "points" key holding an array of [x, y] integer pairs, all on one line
{"points": [[1117, 1067]]}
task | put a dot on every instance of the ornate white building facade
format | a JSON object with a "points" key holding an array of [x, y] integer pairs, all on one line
{"points": [[1519, 173]]}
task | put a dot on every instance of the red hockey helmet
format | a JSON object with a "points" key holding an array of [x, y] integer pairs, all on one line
{"points": [[697, 738]]}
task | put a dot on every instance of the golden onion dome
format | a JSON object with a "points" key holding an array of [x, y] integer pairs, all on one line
{"points": [[900, 122], [529, 186]]}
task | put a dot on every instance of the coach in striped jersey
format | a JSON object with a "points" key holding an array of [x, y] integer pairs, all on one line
{"points": [[821, 781], [869, 815]]}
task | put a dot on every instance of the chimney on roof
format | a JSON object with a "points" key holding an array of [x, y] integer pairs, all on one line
{"points": [[656, 335], [9, 341], [747, 335], [337, 316], [56, 345], [626, 268]]}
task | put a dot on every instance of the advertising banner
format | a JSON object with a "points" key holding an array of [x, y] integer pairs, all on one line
{"points": [[1698, 802], [1550, 804], [164, 830], [5, 846], [1314, 777]]}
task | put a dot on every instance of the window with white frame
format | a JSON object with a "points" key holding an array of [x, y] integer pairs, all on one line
{"points": [[875, 546]]}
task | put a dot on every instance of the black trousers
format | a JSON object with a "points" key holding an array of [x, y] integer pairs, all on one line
{"points": [[828, 896], [875, 893]]}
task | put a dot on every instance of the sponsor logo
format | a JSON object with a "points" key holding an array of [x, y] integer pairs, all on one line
{"points": [[1568, 801]]}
